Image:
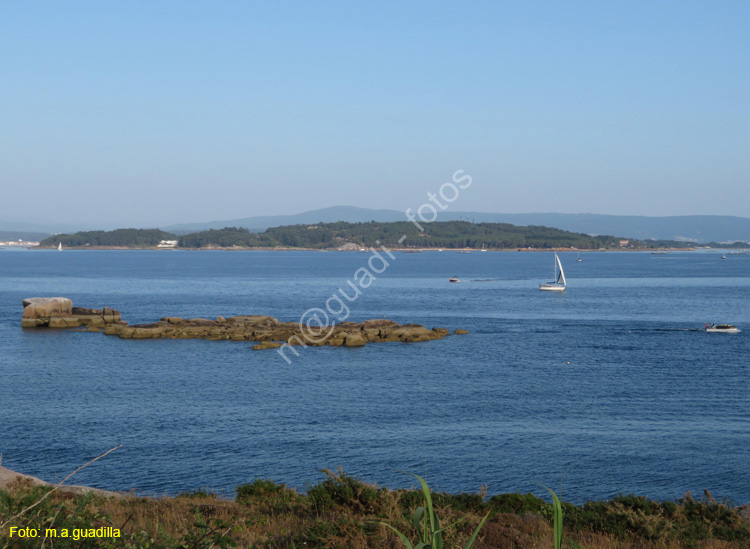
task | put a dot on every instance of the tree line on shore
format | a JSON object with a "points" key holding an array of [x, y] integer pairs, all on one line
{"points": [[446, 235]]}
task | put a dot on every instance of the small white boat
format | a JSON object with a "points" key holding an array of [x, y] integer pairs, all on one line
{"points": [[559, 284], [723, 256], [454, 279], [59, 246], [578, 258], [483, 248], [722, 329]]}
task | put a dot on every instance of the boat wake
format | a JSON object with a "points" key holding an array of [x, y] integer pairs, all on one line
{"points": [[674, 330], [651, 330]]}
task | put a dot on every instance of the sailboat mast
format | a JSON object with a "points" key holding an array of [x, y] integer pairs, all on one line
{"points": [[556, 275]]}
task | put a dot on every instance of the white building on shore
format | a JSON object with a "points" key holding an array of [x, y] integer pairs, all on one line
{"points": [[19, 243]]}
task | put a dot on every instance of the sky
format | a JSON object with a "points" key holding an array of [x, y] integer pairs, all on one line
{"points": [[153, 113]]}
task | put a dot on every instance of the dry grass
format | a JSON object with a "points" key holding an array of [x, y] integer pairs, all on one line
{"points": [[343, 512]]}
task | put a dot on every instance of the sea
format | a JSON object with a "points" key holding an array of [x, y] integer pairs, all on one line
{"points": [[612, 387]]}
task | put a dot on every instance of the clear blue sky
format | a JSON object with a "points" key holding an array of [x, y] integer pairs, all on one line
{"points": [[150, 113]]}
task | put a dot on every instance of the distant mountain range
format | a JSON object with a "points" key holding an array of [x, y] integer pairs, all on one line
{"points": [[324, 215], [695, 228], [22, 235]]}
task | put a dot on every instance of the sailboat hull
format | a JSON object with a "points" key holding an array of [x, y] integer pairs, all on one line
{"points": [[551, 288]]}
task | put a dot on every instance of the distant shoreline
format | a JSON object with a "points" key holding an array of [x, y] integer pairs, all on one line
{"points": [[367, 250]]}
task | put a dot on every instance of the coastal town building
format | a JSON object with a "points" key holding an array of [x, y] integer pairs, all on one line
{"points": [[26, 243]]}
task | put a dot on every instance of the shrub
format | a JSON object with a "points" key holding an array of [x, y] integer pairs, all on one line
{"points": [[258, 488], [518, 504], [341, 489]]}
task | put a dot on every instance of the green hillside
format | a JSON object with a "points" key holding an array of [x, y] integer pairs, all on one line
{"points": [[131, 238], [399, 234]]}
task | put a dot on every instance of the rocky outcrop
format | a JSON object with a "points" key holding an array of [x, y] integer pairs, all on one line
{"points": [[270, 333], [267, 331], [8, 478], [58, 312], [37, 311], [266, 345]]}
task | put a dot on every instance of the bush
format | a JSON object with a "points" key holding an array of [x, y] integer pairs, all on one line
{"points": [[258, 488], [341, 489], [520, 504]]}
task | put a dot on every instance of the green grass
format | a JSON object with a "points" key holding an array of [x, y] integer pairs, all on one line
{"points": [[427, 524]]}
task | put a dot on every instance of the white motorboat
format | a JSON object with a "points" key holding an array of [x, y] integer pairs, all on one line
{"points": [[722, 329]]}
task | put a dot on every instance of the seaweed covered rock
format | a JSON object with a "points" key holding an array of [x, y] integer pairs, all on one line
{"points": [[268, 331]]}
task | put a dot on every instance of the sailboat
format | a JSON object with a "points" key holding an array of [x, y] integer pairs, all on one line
{"points": [[559, 284], [483, 248], [579, 257], [59, 247]]}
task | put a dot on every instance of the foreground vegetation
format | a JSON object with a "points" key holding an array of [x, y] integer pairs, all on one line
{"points": [[341, 511], [446, 235]]}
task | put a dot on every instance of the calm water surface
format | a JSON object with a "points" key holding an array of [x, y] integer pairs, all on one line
{"points": [[649, 403]]}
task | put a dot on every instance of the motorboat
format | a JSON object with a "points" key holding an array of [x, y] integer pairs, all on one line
{"points": [[721, 329], [454, 279]]}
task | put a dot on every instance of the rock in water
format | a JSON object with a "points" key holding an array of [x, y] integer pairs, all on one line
{"points": [[58, 312], [46, 307], [266, 345], [38, 310]]}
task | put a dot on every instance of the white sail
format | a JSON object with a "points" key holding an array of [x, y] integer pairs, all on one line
{"points": [[561, 276], [59, 247], [559, 283]]}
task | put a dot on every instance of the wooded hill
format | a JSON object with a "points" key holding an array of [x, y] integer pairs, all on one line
{"points": [[447, 235], [119, 238]]}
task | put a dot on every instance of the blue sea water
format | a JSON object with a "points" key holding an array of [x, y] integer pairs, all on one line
{"points": [[611, 387]]}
